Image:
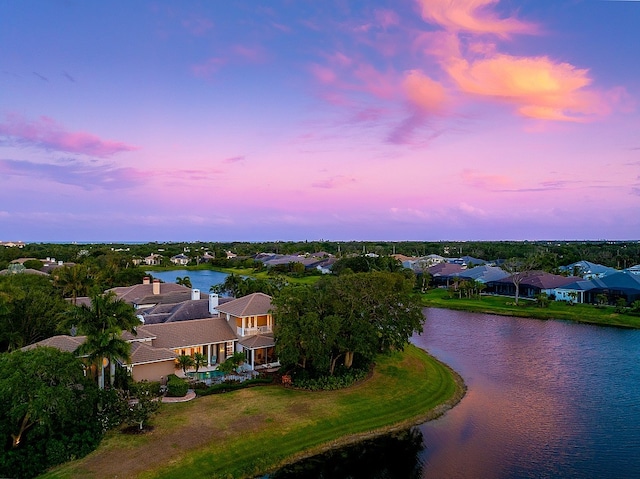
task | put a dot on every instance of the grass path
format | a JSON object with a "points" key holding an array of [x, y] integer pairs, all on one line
{"points": [[252, 431]]}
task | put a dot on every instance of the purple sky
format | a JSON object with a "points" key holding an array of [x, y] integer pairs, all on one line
{"points": [[341, 120]]}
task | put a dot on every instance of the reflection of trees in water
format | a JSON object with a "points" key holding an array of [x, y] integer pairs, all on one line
{"points": [[392, 456]]}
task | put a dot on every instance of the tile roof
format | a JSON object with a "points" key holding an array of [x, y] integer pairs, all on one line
{"points": [[542, 280], [257, 341], [254, 304], [62, 342], [142, 353], [445, 269], [189, 333], [143, 293], [484, 273]]}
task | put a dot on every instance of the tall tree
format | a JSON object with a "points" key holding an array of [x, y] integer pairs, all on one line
{"points": [[519, 269], [49, 411], [73, 280], [103, 322], [342, 317], [29, 310]]}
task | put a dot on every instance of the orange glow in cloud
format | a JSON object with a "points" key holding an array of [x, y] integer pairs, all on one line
{"points": [[541, 88], [424, 92], [471, 16]]}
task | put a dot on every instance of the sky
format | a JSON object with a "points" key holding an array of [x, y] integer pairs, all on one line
{"points": [[303, 120]]}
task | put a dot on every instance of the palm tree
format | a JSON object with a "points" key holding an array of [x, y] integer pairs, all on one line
{"points": [[185, 361], [186, 281], [199, 360], [73, 280], [103, 322]]}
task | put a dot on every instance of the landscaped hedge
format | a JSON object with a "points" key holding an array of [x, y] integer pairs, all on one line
{"points": [[176, 387], [233, 385], [344, 379]]}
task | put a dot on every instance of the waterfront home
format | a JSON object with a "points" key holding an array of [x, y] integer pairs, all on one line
{"points": [[180, 259], [153, 259], [150, 293], [483, 274], [587, 270], [532, 283], [250, 317]]}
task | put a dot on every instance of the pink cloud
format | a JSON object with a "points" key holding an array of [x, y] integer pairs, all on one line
{"points": [[323, 74], [539, 87], [425, 93], [386, 18], [334, 182], [48, 134], [485, 182], [473, 16]]}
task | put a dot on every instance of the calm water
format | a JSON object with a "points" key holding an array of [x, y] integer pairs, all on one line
{"points": [[201, 279], [545, 400]]}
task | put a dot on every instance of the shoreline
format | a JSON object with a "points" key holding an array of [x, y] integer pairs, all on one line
{"points": [[431, 415], [256, 431]]}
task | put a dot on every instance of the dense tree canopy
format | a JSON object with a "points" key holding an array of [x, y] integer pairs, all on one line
{"points": [[339, 319], [29, 310], [49, 411], [236, 286]]}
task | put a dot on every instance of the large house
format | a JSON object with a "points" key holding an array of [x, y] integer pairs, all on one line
{"points": [[244, 324], [250, 317]]}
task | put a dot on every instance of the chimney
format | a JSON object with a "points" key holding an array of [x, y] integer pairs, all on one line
{"points": [[195, 294], [213, 303], [156, 286], [146, 280]]}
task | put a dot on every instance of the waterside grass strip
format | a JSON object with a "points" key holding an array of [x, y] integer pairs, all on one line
{"points": [[505, 306], [253, 431]]}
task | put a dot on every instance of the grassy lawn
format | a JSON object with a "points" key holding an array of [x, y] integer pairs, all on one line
{"points": [[252, 431], [584, 313]]}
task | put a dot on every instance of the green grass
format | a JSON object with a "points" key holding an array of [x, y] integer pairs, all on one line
{"points": [[583, 313], [252, 431]]}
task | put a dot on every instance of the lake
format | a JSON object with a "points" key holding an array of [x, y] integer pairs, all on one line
{"points": [[201, 279], [545, 399]]}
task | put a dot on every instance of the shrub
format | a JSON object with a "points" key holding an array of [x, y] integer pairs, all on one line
{"points": [[344, 378], [176, 387], [234, 385]]}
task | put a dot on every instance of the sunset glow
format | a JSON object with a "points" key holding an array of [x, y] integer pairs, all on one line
{"points": [[250, 121]]}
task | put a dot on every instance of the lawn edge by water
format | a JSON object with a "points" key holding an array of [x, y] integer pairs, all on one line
{"points": [[555, 310], [406, 389]]}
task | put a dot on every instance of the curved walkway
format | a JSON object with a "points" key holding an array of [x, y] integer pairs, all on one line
{"points": [[187, 397]]}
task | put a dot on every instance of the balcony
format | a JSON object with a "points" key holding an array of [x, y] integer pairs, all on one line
{"points": [[253, 331]]}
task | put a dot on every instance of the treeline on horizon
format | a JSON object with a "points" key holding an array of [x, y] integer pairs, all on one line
{"points": [[615, 254]]}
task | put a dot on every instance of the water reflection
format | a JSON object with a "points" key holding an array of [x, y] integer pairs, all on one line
{"points": [[388, 457], [545, 399]]}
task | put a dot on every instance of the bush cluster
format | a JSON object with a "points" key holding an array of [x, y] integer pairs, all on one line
{"points": [[228, 386], [176, 387], [344, 379]]}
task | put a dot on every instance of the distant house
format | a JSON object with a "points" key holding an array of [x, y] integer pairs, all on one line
{"points": [[153, 259], [443, 273], [483, 274], [180, 259], [587, 270], [634, 269], [531, 284], [625, 285], [580, 291]]}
